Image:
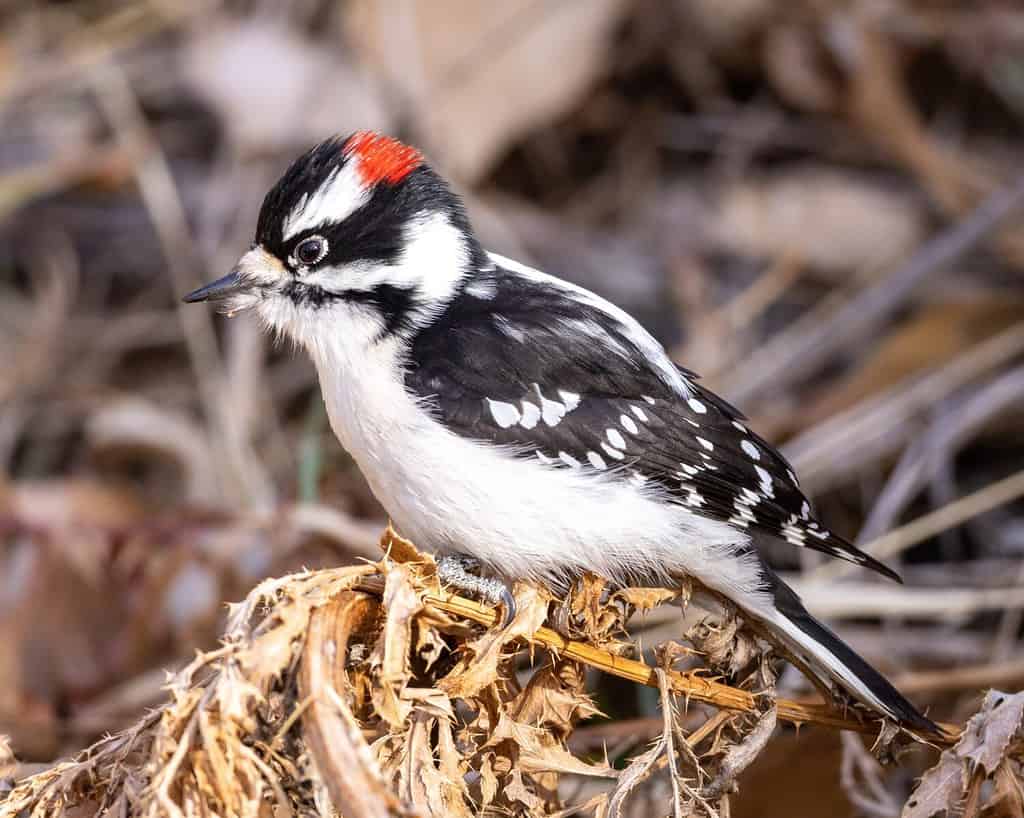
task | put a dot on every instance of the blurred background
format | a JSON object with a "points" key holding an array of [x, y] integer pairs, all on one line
{"points": [[813, 203]]}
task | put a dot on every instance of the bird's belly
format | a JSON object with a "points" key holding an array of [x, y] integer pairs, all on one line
{"points": [[524, 519]]}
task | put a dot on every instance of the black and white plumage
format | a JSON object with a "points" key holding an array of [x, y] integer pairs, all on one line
{"points": [[506, 414]]}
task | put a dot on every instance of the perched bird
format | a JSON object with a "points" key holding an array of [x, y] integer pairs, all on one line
{"points": [[506, 415]]}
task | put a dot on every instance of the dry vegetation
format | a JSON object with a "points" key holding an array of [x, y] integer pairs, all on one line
{"points": [[371, 688], [816, 204]]}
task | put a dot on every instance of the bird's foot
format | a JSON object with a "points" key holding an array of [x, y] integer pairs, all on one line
{"points": [[458, 571]]}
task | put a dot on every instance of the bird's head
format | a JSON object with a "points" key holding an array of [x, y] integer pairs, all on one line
{"points": [[359, 236]]}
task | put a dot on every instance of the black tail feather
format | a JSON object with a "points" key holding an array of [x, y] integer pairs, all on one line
{"points": [[790, 606]]}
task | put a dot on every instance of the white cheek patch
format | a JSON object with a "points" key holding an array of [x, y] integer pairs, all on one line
{"points": [[435, 259], [332, 279], [341, 194]]}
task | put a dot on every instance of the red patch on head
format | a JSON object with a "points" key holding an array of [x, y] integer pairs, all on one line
{"points": [[381, 158]]}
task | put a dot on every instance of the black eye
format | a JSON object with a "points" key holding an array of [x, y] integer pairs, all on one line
{"points": [[310, 251]]}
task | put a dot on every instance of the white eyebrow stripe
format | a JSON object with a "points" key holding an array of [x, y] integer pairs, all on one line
{"points": [[341, 194]]}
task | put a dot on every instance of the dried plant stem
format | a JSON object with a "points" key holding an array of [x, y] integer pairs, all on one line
{"points": [[1006, 675], [805, 349], [689, 685], [343, 759], [935, 522]]}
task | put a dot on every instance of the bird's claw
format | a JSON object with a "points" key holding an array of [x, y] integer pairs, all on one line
{"points": [[508, 602], [455, 570]]}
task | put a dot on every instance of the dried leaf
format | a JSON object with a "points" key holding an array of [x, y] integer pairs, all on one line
{"points": [[489, 784], [727, 648], [983, 744], [258, 64], [391, 654], [939, 788], [399, 549], [643, 600], [989, 731], [431, 701], [820, 217], [548, 703], [453, 767], [1007, 800], [419, 781], [469, 55], [517, 792], [478, 666], [539, 751], [429, 645], [585, 602]]}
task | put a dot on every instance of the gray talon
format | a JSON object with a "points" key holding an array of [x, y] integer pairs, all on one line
{"points": [[508, 602]]}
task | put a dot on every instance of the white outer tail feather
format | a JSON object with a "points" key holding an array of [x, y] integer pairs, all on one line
{"points": [[820, 658]]}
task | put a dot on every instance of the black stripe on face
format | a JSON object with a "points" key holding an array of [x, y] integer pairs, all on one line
{"points": [[396, 305]]}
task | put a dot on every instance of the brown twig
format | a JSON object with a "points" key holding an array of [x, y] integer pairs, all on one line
{"points": [[1008, 675], [691, 685], [928, 525]]}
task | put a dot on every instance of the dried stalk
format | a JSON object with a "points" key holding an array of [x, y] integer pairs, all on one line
{"points": [[689, 685], [343, 759]]}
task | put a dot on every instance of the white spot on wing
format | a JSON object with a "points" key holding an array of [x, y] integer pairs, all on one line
{"points": [[596, 460], [569, 460], [694, 499], [531, 414], [697, 406], [766, 481], [551, 411], [629, 424], [744, 503], [648, 398], [640, 413], [611, 452], [616, 438], [707, 444], [504, 414], [751, 498], [792, 531], [570, 399], [752, 451]]}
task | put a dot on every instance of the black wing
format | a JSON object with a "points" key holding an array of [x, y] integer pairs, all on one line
{"points": [[552, 374]]}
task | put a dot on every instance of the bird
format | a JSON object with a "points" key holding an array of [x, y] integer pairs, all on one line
{"points": [[516, 424]]}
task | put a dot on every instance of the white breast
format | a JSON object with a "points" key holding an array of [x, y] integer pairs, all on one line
{"points": [[518, 516]]}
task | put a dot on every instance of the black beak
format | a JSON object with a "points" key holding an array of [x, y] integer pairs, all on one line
{"points": [[218, 290]]}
